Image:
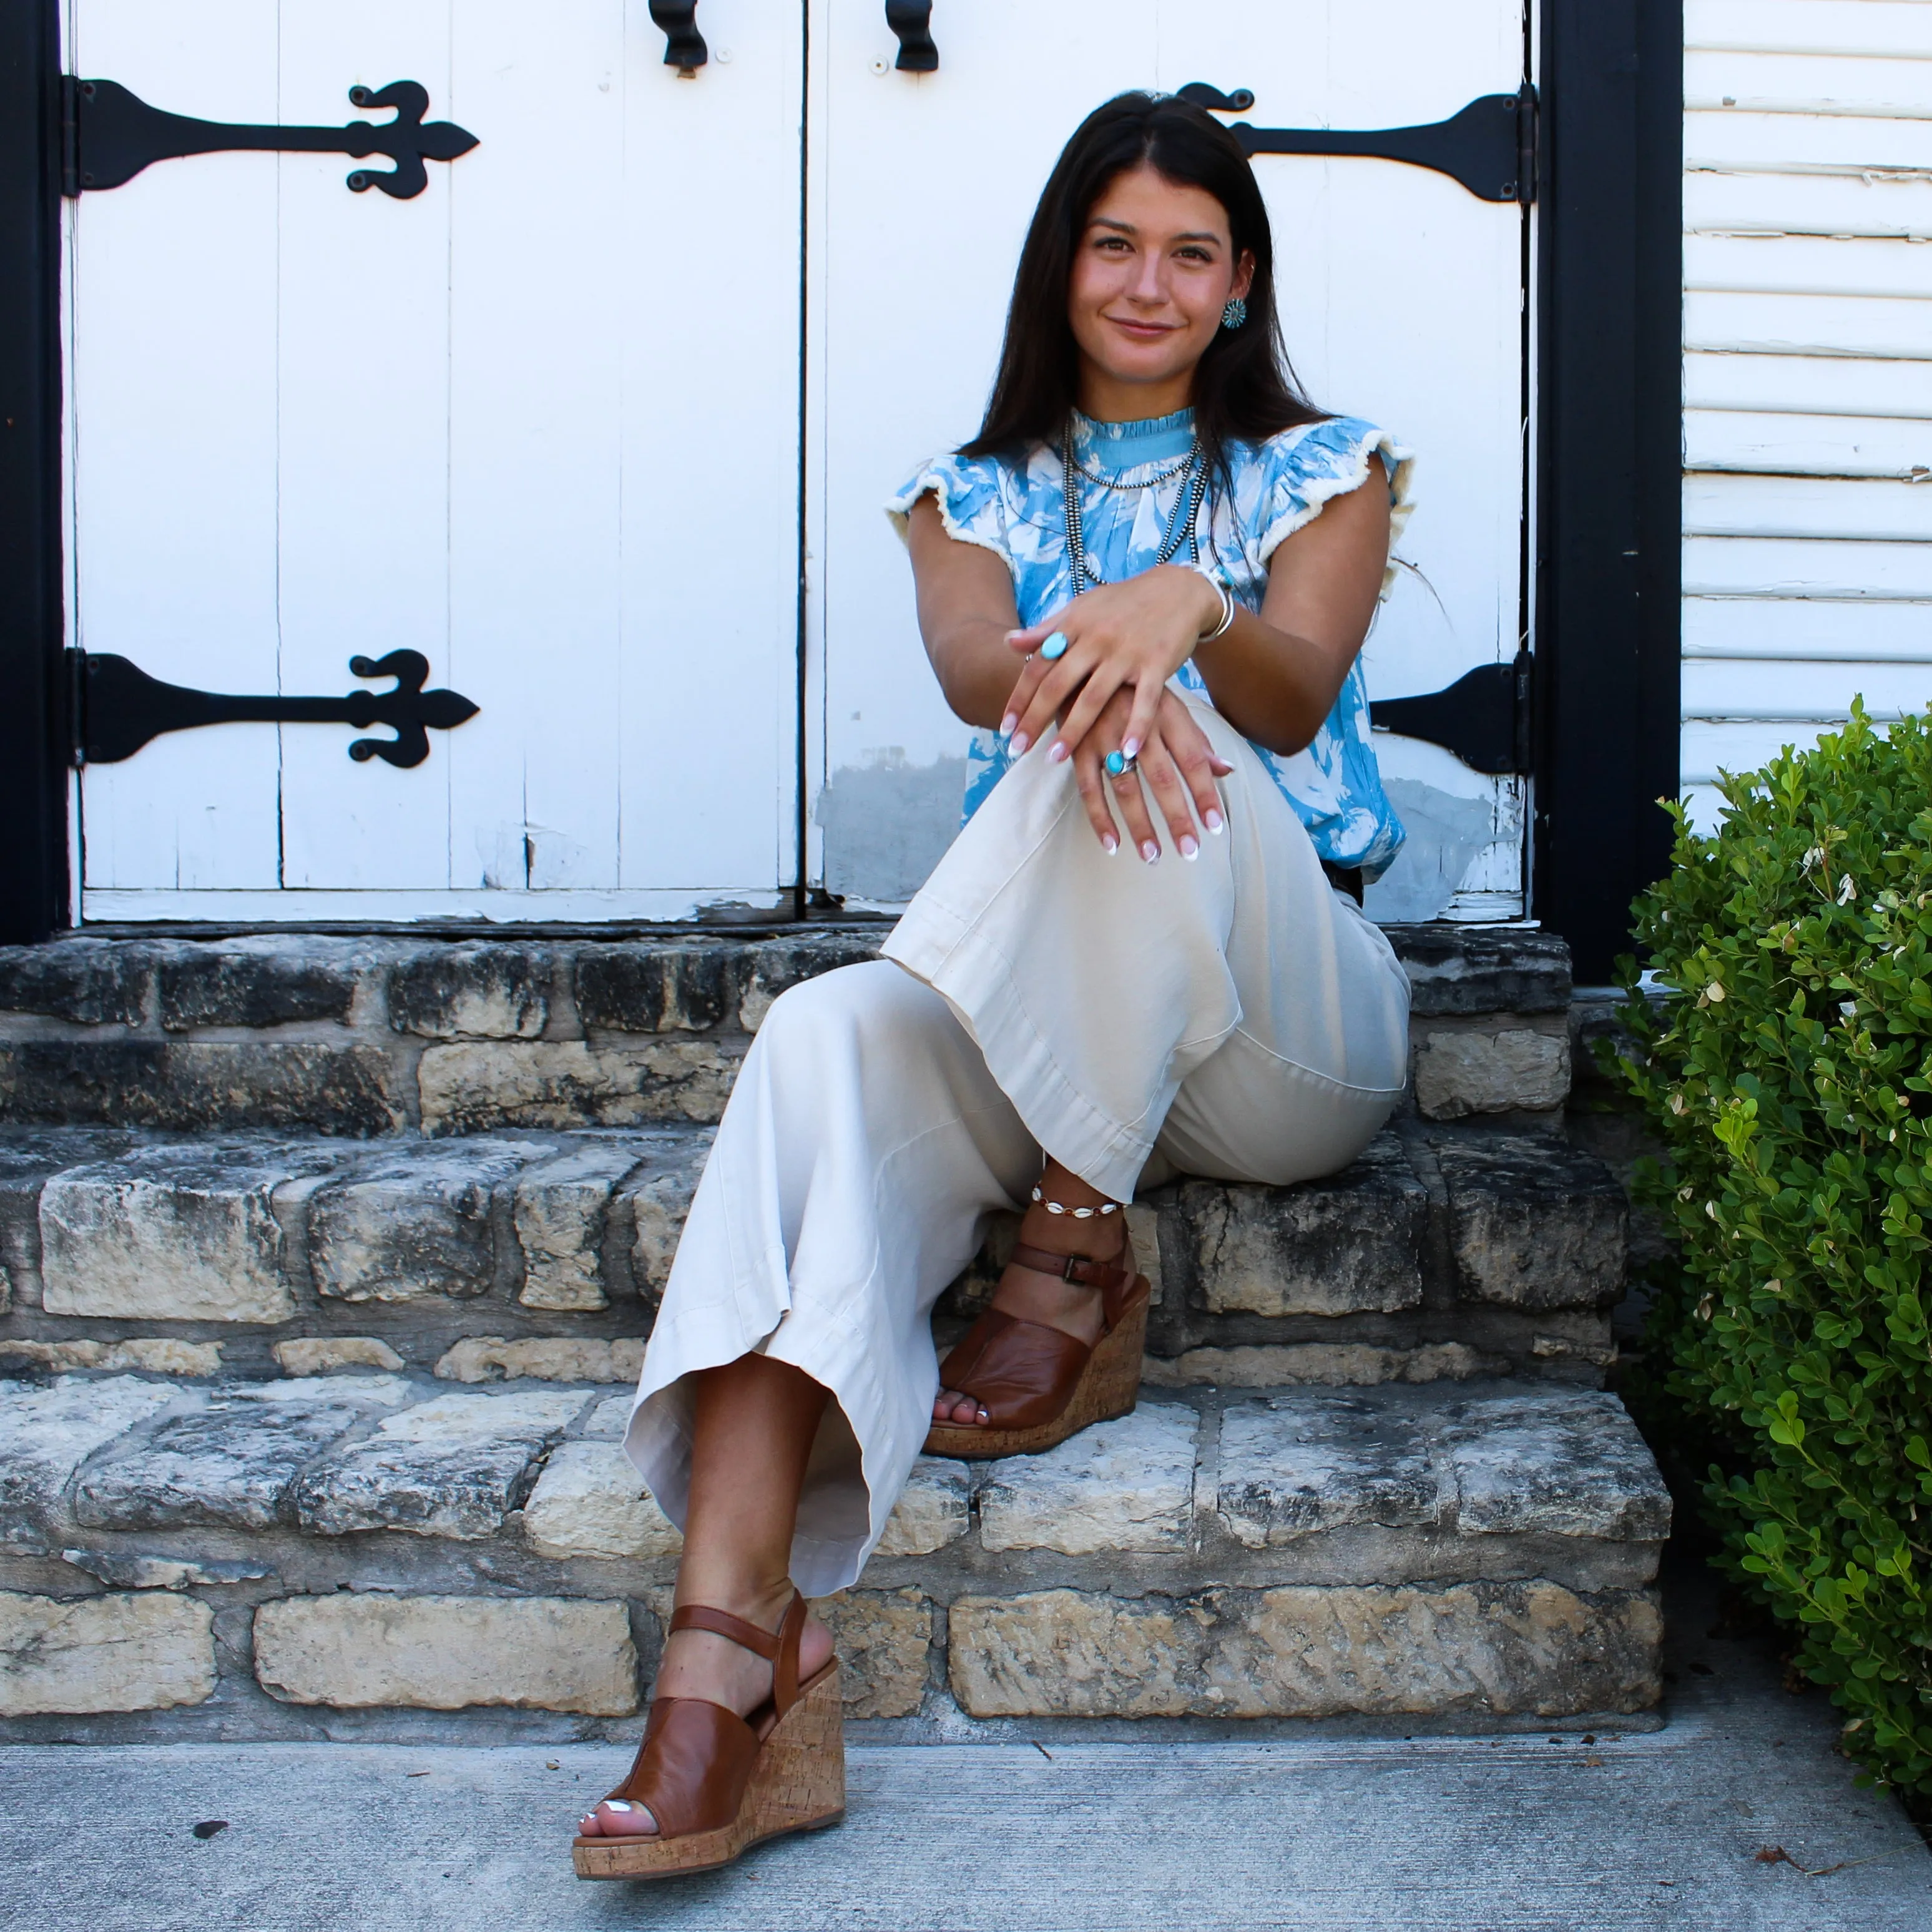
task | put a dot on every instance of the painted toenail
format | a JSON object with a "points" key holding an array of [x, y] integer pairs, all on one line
{"points": [[615, 1805]]}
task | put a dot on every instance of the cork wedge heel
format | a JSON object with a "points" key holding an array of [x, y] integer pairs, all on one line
{"points": [[1038, 1384], [717, 1783]]}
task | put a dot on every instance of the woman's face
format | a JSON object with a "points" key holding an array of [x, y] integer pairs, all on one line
{"points": [[1154, 269]]}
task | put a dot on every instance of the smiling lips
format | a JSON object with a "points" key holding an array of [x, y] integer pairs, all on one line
{"points": [[1145, 331]]}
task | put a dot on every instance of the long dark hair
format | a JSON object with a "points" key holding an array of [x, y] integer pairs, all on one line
{"points": [[1243, 386]]}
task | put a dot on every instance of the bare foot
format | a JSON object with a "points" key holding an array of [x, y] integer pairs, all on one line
{"points": [[1031, 1296], [698, 1663]]}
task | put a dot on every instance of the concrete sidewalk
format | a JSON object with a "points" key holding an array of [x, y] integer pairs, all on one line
{"points": [[1555, 1831]]}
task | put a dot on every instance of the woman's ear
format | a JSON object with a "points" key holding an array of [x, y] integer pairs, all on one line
{"points": [[1244, 276]]}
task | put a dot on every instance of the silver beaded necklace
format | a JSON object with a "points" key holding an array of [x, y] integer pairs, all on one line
{"points": [[1180, 522]]}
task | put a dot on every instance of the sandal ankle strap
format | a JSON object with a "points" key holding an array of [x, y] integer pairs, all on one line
{"points": [[779, 1648], [1080, 1270]]}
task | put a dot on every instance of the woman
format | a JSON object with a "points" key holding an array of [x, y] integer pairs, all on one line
{"points": [[1150, 573]]}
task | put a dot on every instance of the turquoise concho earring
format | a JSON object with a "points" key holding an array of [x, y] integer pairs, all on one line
{"points": [[1235, 314]]}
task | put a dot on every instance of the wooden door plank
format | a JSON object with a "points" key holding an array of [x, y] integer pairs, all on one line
{"points": [[171, 387], [709, 252], [363, 416], [1809, 264], [1822, 567], [1792, 445], [1808, 324], [1718, 505], [535, 446], [1882, 27]]}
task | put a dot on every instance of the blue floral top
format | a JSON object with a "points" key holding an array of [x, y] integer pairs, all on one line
{"points": [[1017, 513]]}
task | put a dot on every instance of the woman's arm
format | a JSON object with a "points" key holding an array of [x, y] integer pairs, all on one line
{"points": [[966, 614], [1274, 676]]}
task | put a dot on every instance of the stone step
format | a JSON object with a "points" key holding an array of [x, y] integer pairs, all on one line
{"points": [[1446, 1251], [377, 1555], [379, 1034]]}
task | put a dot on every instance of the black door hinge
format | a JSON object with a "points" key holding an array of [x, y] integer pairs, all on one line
{"points": [[1483, 717], [1489, 146], [109, 135], [116, 707]]}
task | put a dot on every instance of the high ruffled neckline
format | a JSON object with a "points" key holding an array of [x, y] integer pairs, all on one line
{"points": [[1113, 447]]}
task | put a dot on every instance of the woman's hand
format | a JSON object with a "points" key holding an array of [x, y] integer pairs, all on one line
{"points": [[1132, 637], [1177, 762]]}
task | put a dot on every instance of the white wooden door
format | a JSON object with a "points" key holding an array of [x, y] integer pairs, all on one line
{"points": [[1402, 300], [539, 423]]}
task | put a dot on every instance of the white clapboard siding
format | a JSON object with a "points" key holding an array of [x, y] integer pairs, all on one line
{"points": [[1807, 334], [1885, 29], [1821, 204], [1812, 385], [1806, 445], [1858, 631]]}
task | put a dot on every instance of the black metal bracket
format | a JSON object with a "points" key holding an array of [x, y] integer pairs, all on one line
{"points": [[109, 135], [1489, 146], [118, 708], [1482, 717], [912, 21], [684, 45]]}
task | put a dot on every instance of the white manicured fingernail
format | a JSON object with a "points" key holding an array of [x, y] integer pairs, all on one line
{"points": [[1190, 848], [1214, 820], [1110, 844], [1150, 852], [1130, 747], [1057, 753], [1021, 741], [1007, 723]]}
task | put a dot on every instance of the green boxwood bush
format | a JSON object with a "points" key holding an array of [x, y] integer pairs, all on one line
{"points": [[1786, 1071]]}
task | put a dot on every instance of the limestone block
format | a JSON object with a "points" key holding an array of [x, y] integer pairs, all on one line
{"points": [[414, 1223], [1319, 1460], [884, 1638], [454, 1466], [484, 991], [1535, 1223], [493, 1358], [1127, 1484], [609, 1419], [1330, 1364], [313, 1085], [112, 1653], [1460, 1073], [658, 1199], [122, 1571], [591, 1501], [1494, 1649], [356, 1651], [569, 1083], [561, 1206], [1349, 1243], [659, 988], [154, 1354], [46, 1434], [934, 1508], [271, 981], [233, 1462], [325, 1355], [1554, 1461], [182, 1233], [28, 1159], [1465, 969], [779, 964], [87, 981]]}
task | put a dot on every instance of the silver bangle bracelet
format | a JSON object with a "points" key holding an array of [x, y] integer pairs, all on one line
{"points": [[1227, 609]]}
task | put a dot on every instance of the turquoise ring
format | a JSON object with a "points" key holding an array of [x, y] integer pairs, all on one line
{"points": [[1118, 765], [1055, 646]]}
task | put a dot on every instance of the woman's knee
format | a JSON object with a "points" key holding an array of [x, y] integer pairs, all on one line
{"points": [[870, 1007]]}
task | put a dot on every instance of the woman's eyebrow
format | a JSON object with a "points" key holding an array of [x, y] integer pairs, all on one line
{"points": [[1128, 228]]}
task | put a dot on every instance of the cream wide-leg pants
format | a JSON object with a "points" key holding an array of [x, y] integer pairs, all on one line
{"points": [[1234, 1017]]}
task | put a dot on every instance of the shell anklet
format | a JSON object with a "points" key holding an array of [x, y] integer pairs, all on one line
{"points": [[1078, 1214]]}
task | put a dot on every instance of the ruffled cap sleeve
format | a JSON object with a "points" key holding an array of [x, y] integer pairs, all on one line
{"points": [[1306, 467], [971, 495]]}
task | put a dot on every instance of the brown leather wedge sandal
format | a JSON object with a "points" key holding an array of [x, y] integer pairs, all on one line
{"points": [[717, 1783], [1038, 1384]]}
